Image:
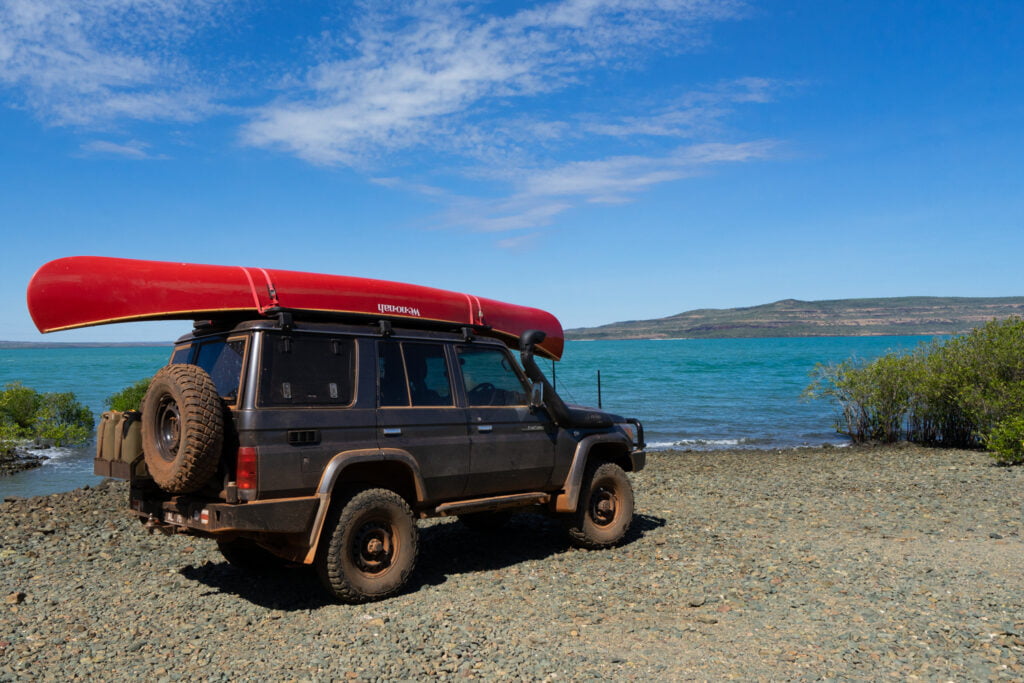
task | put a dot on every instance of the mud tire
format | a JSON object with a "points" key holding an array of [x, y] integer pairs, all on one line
{"points": [[605, 509], [182, 428], [371, 548]]}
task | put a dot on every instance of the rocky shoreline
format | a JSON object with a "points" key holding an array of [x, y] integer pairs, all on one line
{"points": [[803, 564], [14, 460]]}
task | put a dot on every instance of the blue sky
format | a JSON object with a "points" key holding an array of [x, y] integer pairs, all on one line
{"points": [[602, 159]]}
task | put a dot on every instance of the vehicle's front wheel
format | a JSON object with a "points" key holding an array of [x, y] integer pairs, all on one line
{"points": [[605, 508], [371, 547]]}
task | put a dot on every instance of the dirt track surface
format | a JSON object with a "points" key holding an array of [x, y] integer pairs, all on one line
{"points": [[886, 562]]}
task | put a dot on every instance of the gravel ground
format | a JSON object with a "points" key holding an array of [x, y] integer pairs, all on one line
{"points": [[826, 563]]}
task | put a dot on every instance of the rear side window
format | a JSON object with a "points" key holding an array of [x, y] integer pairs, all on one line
{"points": [[301, 370], [221, 358], [180, 355]]}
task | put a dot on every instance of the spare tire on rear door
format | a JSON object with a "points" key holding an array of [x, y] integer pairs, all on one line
{"points": [[182, 428]]}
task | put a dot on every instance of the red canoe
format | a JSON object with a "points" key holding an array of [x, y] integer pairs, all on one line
{"points": [[80, 291]]}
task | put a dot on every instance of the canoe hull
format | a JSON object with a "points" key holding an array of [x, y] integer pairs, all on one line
{"points": [[82, 291]]}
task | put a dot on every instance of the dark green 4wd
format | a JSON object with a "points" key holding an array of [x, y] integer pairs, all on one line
{"points": [[322, 443]]}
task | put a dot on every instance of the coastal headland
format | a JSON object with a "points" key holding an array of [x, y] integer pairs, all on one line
{"points": [[911, 315], [861, 563]]}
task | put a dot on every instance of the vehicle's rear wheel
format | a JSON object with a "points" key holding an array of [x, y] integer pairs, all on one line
{"points": [[182, 428], [605, 508], [247, 555], [371, 548]]}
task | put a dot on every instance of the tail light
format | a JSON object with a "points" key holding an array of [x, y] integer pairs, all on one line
{"points": [[245, 470]]}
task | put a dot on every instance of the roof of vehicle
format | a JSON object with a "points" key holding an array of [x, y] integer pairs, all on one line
{"points": [[223, 328]]}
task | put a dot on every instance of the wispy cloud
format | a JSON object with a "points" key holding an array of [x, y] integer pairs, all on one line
{"points": [[542, 194], [133, 149], [468, 90], [86, 62], [481, 108], [418, 69]]}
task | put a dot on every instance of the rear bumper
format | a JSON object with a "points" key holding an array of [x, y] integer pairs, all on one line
{"points": [[190, 515]]}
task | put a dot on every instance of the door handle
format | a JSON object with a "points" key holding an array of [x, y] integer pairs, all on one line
{"points": [[392, 431], [485, 429]]}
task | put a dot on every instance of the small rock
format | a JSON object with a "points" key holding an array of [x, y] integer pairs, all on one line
{"points": [[995, 535], [15, 598], [697, 601]]}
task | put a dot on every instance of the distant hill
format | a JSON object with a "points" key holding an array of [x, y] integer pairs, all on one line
{"points": [[75, 345], [839, 317]]}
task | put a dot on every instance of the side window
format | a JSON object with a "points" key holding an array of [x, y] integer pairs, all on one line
{"points": [[222, 360], [490, 378], [181, 354], [413, 374], [427, 370], [391, 386], [307, 370]]}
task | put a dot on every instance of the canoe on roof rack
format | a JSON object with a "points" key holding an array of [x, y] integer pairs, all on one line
{"points": [[81, 291]]}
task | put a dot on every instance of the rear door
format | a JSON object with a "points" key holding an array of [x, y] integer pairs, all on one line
{"points": [[418, 414], [512, 447]]}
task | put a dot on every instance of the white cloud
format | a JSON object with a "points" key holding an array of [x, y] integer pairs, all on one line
{"points": [[542, 194], [696, 113], [465, 87], [484, 98], [133, 149], [96, 61], [519, 242], [629, 174], [423, 68]]}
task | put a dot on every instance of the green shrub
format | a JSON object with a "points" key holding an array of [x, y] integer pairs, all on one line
{"points": [[1006, 441], [63, 420], [873, 398], [19, 404], [55, 417], [9, 436], [963, 392], [129, 398]]}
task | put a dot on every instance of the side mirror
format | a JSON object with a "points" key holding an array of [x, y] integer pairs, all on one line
{"points": [[537, 395]]}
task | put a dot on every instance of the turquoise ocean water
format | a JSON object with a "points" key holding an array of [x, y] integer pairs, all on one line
{"points": [[700, 394]]}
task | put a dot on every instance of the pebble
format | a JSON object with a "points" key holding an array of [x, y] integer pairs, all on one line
{"points": [[808, 563]]}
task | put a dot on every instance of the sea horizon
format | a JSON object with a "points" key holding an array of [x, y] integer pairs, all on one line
{"points": [[690, 394]]}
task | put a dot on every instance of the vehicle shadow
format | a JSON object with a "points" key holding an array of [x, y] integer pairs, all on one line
{"points": [[446, 549], [280, 588], [451, 549]]}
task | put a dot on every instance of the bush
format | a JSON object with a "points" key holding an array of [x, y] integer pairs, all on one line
{"points": [[19, 405], [963, 392], [54, 417], [129, 398], [1006, 441], [873, 398], [9, 436], [63, 420]]}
